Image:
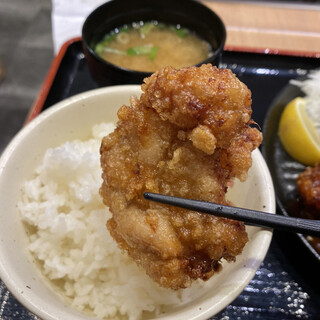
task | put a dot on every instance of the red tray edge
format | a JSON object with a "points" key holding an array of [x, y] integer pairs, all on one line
{"points": [[44, 91]]}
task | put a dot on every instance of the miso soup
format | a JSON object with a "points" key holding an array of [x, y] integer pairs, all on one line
{"points": [[149, 46]]}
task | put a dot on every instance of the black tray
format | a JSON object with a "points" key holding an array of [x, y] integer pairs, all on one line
{"points": [[287, 285]]}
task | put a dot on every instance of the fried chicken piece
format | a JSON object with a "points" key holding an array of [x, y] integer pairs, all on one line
{"points": [[188, 135], [309, 187]]}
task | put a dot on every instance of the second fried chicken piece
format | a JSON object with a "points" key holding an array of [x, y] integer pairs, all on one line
{"points": [[309, 187], [188, 135]]}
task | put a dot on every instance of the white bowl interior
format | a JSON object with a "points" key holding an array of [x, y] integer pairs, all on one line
{"points": [[73, 119]]}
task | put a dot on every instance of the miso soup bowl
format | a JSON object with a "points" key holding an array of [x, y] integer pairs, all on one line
{"points": [[116, 13], [73, 119]]}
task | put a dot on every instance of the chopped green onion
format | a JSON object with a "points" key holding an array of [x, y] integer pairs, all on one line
{"points": [[182, 32], [143, 50], [160, 25], [125, 28], [153, 53], [146, 28], [123, 37], [139, 50], [109, 37], [99, 48], [115, 51], [131, 52]]}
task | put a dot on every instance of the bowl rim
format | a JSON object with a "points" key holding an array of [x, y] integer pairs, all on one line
{"points": [[10, 282], [91, 51]]}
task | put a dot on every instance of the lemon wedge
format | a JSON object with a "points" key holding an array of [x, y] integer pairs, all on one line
{"points": [[298, 133]]}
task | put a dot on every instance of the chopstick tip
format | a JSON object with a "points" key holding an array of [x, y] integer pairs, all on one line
{"points": [[147, 195]]}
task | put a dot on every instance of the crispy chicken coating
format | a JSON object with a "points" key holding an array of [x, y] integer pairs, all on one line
{"points": [[188, 135], [309, 187]]}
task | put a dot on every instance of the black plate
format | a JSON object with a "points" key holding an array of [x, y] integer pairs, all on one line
{"points": [[283, 168]]}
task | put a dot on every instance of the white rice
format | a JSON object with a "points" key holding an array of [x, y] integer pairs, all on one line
{"points": [[311, 88], [62, 208]]}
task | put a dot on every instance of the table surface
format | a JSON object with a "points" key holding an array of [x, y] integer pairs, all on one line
{"points": [[270, 25], [290, 26]]}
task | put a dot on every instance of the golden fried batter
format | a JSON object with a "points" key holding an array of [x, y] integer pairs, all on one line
{"points": [[309, 187], [188, 135]]}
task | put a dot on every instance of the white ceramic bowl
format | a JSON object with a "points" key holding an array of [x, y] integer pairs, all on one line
{"points": [[72, 119]]}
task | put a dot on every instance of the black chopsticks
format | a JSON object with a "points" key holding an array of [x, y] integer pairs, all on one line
{"points": [[251, 217]]}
